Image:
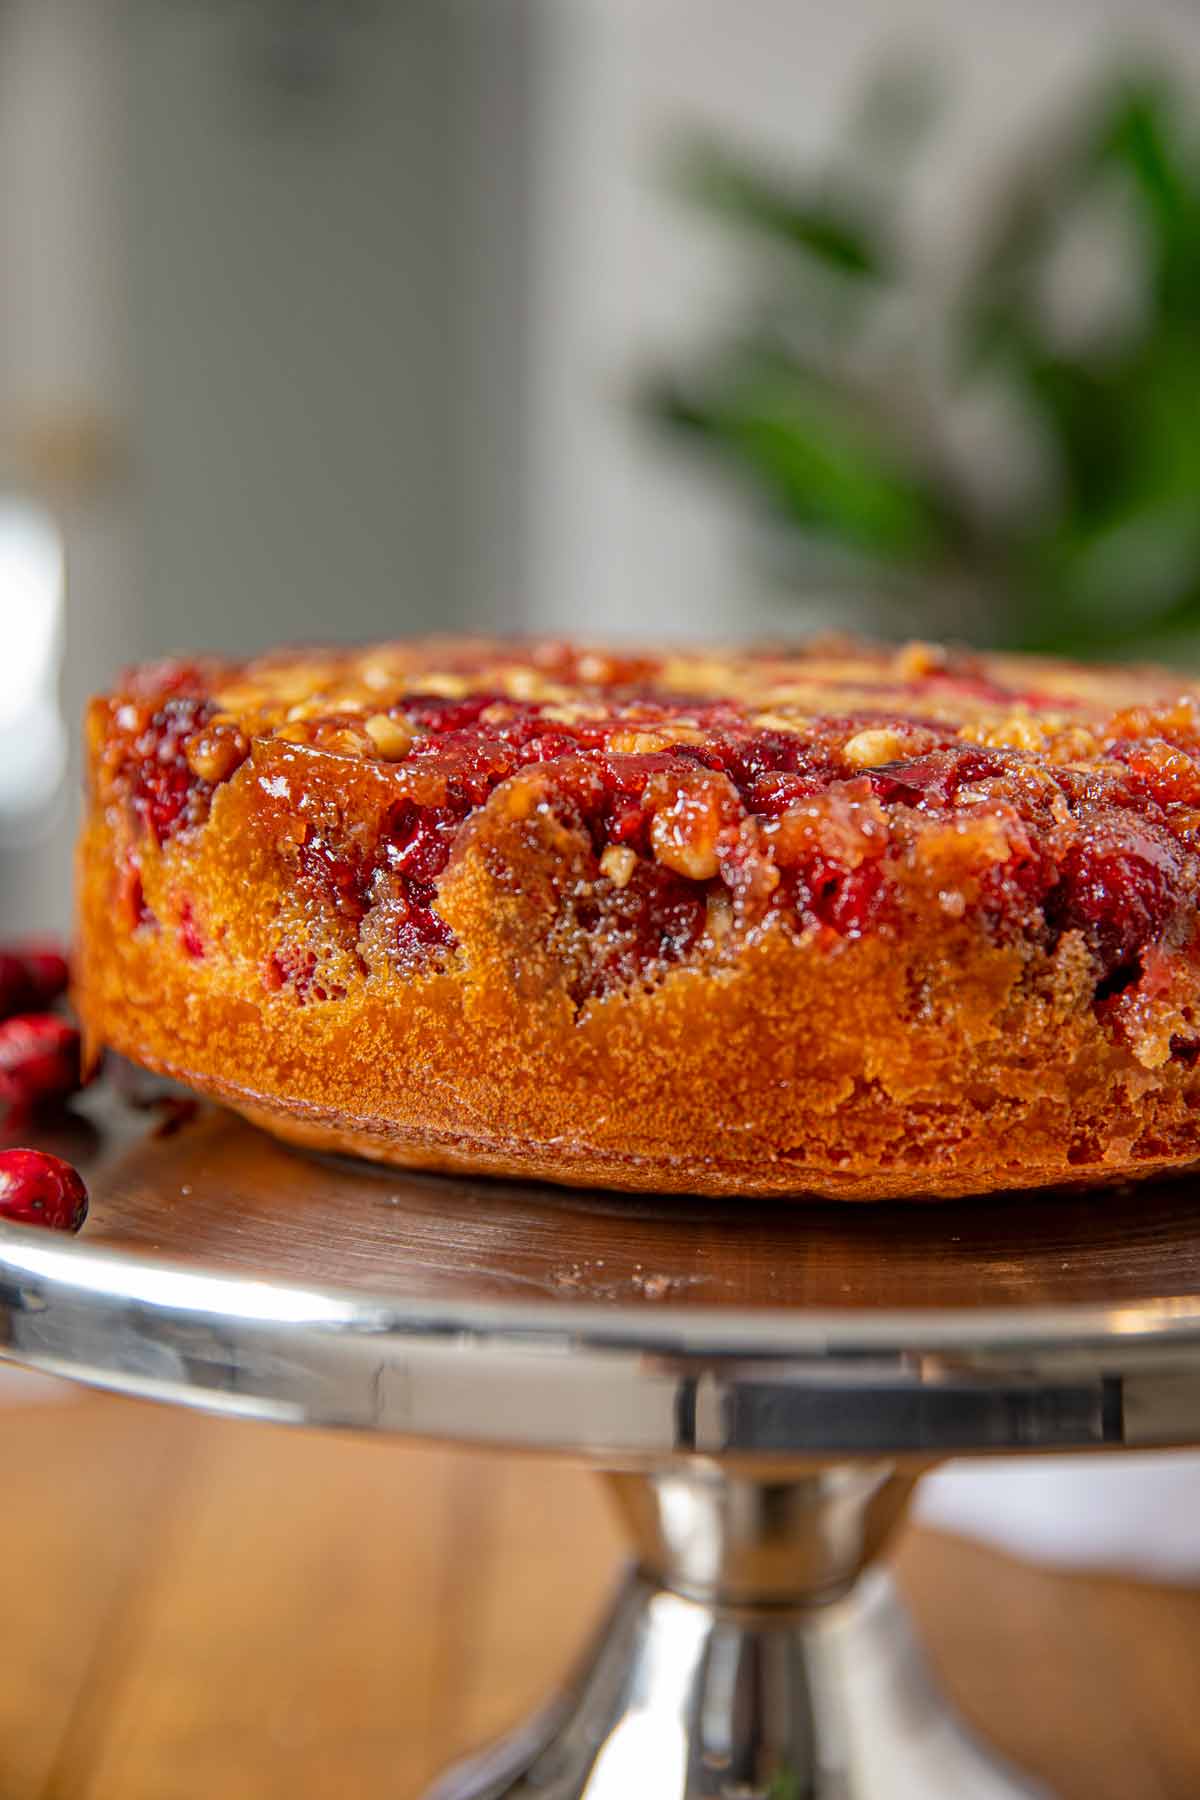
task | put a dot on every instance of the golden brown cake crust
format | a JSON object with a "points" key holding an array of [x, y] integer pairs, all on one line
{"points": [[843, 920]]}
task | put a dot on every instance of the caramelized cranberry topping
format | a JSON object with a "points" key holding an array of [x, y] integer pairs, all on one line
{"points": [[164, 790], [1057, 850], [163, 753], [826, 790]]}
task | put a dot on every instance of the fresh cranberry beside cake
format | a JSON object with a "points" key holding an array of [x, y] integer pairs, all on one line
{"points": [[838, 920]]}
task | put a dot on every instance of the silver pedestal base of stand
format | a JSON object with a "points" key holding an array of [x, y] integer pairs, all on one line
{"points": [[691, 1697]]}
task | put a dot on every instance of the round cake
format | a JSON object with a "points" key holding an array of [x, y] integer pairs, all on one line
{"points": [[840, 920]]}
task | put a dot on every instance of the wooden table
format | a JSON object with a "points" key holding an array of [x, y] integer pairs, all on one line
{"points": [[203, 1610]]}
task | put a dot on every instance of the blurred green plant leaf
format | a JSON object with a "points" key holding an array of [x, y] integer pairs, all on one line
{"points": [[1112, 557], [799, 444], [825, 224]]}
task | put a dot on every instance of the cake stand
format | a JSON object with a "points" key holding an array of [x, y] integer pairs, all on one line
{"points": [[760, 1386]]}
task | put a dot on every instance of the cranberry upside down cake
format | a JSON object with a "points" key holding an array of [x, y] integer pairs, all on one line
{"points": [[843, 920]]}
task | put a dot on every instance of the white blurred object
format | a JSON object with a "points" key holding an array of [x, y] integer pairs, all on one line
{"points": [[1136, 1514], [33, 739]]}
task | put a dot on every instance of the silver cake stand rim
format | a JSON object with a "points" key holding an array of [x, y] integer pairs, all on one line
{"points": [[692, 1329], [612, 1381]]}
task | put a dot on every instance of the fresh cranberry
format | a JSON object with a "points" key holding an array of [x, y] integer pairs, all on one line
{"points": [[14, 984], [39, 1189], [39, 1060], [47, 970], [31, 975]]}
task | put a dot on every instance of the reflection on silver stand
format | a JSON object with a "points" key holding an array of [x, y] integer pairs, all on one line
{"points": [[745, 1659]]}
